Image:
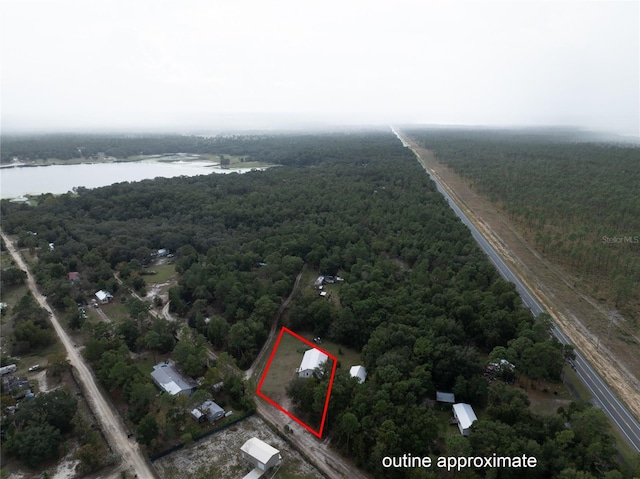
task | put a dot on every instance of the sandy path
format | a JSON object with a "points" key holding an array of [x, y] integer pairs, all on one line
{"points": [[105, 413], [330, 463]]}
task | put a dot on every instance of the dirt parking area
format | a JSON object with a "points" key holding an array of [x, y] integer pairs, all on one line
{"points": [[219, 455]]}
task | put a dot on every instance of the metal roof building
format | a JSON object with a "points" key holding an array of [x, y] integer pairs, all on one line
{"points": [[169, 379], [464, 414], [261, 455], [312, 359], [358, 372]]}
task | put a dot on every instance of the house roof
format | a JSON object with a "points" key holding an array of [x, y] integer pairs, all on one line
{"points": [[170, 379], [312, 359], [102, 295], [73, 276], [358, 372], [445, 397], [464, 413], [259, 450]]}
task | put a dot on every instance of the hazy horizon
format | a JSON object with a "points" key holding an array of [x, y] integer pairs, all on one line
{"points": [[105, 66]]}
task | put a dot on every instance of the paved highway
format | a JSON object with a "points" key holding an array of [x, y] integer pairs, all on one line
{"points": [[604, 398]]}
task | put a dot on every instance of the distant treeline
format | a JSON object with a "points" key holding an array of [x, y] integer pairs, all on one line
{"points": [[284, 149], [577, 201]]}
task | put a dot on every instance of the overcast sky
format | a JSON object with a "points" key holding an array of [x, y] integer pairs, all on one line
{"points": [[182, 64]]}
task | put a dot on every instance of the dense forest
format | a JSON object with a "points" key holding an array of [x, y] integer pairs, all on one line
{"points": [[419, 301], [575, 199]]}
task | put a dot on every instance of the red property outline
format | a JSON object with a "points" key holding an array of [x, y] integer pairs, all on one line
{"points": [[276, 405]]}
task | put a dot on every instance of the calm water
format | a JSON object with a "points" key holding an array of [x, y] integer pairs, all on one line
{"points": [[58, 179]]}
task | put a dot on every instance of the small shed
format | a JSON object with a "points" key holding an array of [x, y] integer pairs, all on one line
{"points": [[198, 415], [448, 398], [260, 454], [358, 372], [312, 359], [465, 416]]}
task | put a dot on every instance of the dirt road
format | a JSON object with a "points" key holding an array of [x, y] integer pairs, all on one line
{"points": [[132, 458], [330, 463]]}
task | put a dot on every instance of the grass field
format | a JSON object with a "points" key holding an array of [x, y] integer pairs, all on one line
{"points": [[164, 273], [116, 311], [288, 357]]}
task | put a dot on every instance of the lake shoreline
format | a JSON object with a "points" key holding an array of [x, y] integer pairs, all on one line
{"points": [[20, 182]]}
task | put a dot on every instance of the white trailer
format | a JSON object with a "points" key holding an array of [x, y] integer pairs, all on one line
{"points": [[11, 368]]}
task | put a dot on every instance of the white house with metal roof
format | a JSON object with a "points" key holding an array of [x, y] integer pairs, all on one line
{"points": [[312, 359], [169, 379], [358, 372], [104, 296], [465, 416], [261, 455]]}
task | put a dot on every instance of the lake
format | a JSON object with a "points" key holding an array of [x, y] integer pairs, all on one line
{"points": [[57, 179]]}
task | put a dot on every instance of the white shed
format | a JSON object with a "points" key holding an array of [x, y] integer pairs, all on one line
{"points": [[312, 359], [260, 454], [358, 372], [465, 416]]}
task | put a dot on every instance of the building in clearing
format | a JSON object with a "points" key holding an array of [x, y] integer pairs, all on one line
{"points": [[261, 455], [465, 416], [358, 372], [104, 296], [170, 380], [312, 359]]}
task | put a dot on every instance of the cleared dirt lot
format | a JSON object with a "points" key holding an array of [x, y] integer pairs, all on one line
{"points": [[219, 455]]}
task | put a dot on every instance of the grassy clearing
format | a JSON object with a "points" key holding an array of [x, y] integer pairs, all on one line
{"points": [[288, 357], [346, 357], [40, 357], [117, 312], [12, 294], [163, 273], [546, 397]]}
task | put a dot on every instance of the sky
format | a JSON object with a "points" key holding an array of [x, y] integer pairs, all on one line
{"points": [[179, 65]]}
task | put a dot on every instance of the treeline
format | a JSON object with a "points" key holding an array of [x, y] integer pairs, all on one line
{"points": [[282, 149], [420, 300], [575, 199]]}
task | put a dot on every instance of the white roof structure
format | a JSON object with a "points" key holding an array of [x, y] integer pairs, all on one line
{"points": [[103, 295], [197, 414], [358, 372], [259, 450], [168, 378], [464, 413], [312, 359]]}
